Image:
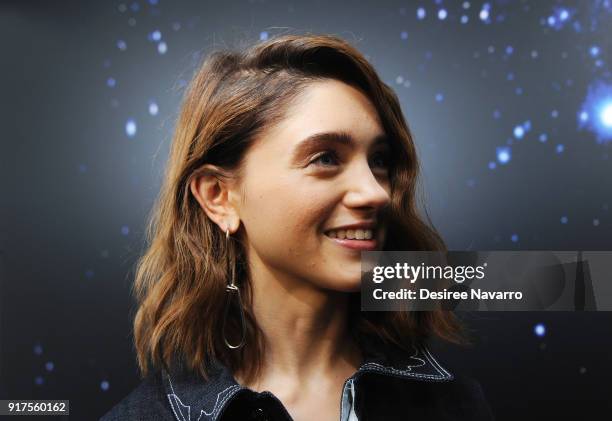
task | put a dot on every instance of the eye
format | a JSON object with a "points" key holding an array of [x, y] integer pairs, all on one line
{"points": [[325, 159], [381, 160]]}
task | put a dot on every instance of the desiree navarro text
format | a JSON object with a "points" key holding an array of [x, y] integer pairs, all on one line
{"points": [[425, 294]]}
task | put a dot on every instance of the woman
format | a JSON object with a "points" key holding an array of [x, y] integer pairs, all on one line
{"points": [[288, 160]]}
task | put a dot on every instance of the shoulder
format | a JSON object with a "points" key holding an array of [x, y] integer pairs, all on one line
{"points": [[392, 397], [466, 394], [147, 401]]}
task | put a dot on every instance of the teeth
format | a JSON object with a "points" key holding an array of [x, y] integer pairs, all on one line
{"points": [[357, 234]]}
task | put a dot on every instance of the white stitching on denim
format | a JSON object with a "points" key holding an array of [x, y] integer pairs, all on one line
{"points": [[173, 394], [408, 370], [216, 409], [409, 367], [416, 352], [435, 363], [218, 404], [381, 368], [172, 405], [232, 390]]}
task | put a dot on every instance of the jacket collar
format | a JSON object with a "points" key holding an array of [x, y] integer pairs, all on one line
{"points": [[192, 399]]}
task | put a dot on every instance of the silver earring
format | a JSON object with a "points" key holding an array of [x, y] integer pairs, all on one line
{"points": [[232, 290]]}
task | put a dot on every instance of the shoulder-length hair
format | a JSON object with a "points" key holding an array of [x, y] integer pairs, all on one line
{"points": [[181, 278]]}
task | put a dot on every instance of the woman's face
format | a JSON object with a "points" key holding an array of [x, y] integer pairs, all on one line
{"points": [[324, 167]]}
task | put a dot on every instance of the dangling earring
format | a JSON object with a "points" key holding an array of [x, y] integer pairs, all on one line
{"points": [[232, 290]]}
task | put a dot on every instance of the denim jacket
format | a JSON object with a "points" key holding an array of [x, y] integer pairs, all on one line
{"points": [[390, 385]]}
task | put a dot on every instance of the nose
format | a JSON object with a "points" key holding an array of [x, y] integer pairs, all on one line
{"points": [[366, 191]]}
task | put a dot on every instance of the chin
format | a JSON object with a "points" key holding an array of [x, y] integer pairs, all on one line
{"points": [[347, 285]]}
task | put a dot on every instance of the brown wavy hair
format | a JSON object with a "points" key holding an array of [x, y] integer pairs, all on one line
{"points": [[180, 280]]}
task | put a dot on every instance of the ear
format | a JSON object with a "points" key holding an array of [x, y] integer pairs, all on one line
{"points": [[213, 194]]}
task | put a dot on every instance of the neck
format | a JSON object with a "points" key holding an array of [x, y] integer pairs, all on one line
{"points": [[305, 330]]}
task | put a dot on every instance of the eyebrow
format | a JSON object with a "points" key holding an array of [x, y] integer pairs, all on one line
{"points": [[318, 140]]}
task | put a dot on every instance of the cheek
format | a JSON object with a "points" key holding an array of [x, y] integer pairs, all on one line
{"points": [[284, 212]]}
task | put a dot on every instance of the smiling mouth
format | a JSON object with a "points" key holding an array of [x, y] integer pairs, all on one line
{"points": [[355, 239], [352, 234]]}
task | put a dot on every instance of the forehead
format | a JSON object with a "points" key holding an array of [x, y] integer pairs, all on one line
{"points": [[326, 106]]}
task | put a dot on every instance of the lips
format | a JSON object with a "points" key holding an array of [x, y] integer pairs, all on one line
{"points": [[355, 244], [369, 224], [361, 235]]}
